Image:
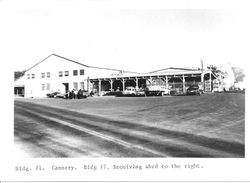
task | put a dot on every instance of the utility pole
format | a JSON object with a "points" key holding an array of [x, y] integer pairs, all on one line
{"points": [[201, 65]]}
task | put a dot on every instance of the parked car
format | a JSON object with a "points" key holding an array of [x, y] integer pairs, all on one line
{"points": [[176, 92], [85, 94], [52, 94], [60, 95], [140, 92], [156, 90], [194, 90], [129, 91]]}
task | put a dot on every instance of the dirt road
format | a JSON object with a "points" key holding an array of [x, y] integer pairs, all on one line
{"points": [[45, 131]]}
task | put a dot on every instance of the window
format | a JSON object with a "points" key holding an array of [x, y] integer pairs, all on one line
{"points": [[75, 72], [82, 85], [75, 85], [32, 76], [48, 74], [60, 73], [66, 73], [43, 86], [28, 76], [43, 75], [82, 72], [48, 86]]}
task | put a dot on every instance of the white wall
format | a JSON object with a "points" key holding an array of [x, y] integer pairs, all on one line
{"points": [[53, 64]]}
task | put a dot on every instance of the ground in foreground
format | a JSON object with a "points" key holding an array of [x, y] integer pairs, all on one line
{"points": [[210, 125]]}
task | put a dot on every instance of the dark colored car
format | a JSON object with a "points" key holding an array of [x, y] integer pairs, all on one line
{"points": [[52, 95], [56, 95], [176, 92], [194, 90]]}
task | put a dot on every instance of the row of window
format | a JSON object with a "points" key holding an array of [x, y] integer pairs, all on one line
{"points": [[47, 74], [47, 86], [32, 76], [75, 73], [75, 86], [66, 73]]}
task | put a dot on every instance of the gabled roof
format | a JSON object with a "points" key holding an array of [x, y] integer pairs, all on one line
{"points": [[174, 68], [56, 56], [76, 63]]}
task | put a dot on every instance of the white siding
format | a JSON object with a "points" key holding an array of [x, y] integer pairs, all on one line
{"points": [[47, 74]]}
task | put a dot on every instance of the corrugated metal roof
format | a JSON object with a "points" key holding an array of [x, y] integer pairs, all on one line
{"points": [[169, 72], [175, 68]]}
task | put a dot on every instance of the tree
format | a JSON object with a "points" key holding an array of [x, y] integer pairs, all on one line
{"points": [[238, 74], [19, 74]]}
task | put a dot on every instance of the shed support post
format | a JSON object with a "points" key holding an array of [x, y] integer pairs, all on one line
{"points": [[111, 85], [183, 83], [210, 81], [136, 83], [202, 81], [123, 84], [100, 86], [166, 82]]}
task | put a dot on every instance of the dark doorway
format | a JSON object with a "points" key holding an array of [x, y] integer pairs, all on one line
{"points": [[66, 87], [19, 91]]}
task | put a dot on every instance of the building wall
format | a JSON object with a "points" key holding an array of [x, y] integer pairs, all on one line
{"points": [[44, 77]]}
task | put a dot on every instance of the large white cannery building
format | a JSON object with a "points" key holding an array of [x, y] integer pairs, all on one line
{"points": [[57, 73]]}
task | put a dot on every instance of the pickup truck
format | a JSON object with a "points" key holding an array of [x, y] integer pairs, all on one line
{"points": [[131, 91], [156, 90]]}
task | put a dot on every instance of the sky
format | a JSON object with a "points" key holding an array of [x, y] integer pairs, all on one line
{"points": [[139, 36]]}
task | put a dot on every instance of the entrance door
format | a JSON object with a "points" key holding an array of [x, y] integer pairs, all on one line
{"points": [[66, 87]]}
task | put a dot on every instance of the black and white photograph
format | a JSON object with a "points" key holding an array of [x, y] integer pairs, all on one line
{"points": [[143, 83], [64, 108], [119, 79]]}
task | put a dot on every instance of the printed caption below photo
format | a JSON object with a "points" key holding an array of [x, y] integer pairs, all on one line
{"points": [[106, 167]]}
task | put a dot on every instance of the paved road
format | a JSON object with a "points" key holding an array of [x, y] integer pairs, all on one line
{"points": [[45, 131]]}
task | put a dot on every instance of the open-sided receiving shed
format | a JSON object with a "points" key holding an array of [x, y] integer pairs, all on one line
{"points": [[172, 78]]}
